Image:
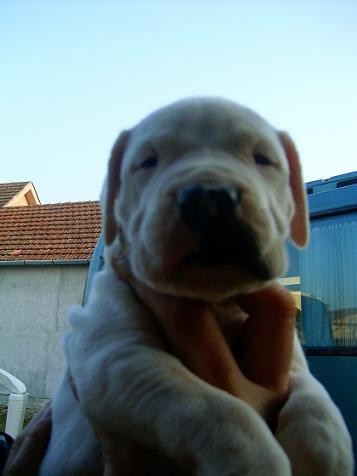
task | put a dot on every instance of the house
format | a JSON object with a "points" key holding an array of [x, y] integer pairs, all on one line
{"points": [[18, 194], [45, 251]]}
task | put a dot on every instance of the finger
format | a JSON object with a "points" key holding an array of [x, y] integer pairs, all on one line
{"points": [[200, 344], [266, 340], [28, 449], [194, 336], [122, 268]]}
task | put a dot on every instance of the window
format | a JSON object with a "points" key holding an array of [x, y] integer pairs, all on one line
{"points": [[323, 279]]}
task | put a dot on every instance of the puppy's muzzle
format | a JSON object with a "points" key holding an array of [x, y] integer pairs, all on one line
{"points": [[204, 206], [213, 213]]}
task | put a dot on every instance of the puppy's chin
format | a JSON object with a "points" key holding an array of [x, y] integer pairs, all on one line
{"points": [[217, 281], [211, 285]]}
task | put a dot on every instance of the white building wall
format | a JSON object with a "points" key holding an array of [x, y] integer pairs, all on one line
{"points": [[34, 301]]}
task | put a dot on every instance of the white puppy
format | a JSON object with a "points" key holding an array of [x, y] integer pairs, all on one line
{"points": [[200, 197]]}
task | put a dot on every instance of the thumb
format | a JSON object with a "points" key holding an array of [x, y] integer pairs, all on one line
{"points": [[267, 337]]}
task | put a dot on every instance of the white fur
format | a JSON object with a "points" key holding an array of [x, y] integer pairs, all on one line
{"points": [[129, 386]]}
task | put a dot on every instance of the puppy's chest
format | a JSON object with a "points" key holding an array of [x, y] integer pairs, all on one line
{"points": [[230, 318]]}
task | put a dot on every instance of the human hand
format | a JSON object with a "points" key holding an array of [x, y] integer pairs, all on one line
{"points": [[29, 447], [258, 372], [265, 342]]}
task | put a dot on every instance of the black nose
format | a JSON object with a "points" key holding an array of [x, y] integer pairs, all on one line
{"points": [[203, 206]]}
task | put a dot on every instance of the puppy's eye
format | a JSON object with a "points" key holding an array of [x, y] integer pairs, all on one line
{"points": [[151, 161], [262, 160]]}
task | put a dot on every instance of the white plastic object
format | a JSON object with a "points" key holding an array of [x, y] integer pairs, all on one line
{"points": [[17, 402]]}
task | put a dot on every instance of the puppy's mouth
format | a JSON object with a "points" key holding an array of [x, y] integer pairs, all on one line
{"points": [[229, 242]]}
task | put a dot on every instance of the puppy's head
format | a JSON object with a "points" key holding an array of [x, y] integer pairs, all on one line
{"points": [[201, 197]]}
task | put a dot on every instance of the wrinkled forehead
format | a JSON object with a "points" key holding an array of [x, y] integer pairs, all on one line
{"points": [[206, 123]]}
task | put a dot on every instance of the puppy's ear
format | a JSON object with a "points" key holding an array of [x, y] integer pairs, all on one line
{"points": [[112, 187], [299, 224]]}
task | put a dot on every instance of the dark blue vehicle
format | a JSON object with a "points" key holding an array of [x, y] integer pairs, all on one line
{"points": [[323, 279]]}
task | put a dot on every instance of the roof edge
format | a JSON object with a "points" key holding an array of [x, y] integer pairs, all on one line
{"points": [[48, 262]]}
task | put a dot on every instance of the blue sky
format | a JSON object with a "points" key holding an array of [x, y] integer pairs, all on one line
{"points": [[74, 73]]}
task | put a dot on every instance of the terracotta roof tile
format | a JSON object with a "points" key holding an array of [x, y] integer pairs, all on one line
{"points": [[59, 231], [9, 190]]}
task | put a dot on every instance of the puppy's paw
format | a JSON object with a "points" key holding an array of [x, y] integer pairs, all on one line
{"points": [[313, 434], [254, 464], [258, 454]]}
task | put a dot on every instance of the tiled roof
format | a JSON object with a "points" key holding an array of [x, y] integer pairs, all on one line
{"points": [[9, 190], [62, 231]]}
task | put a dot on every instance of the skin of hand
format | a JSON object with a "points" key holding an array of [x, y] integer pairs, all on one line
{"points": [[29, 447]]}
